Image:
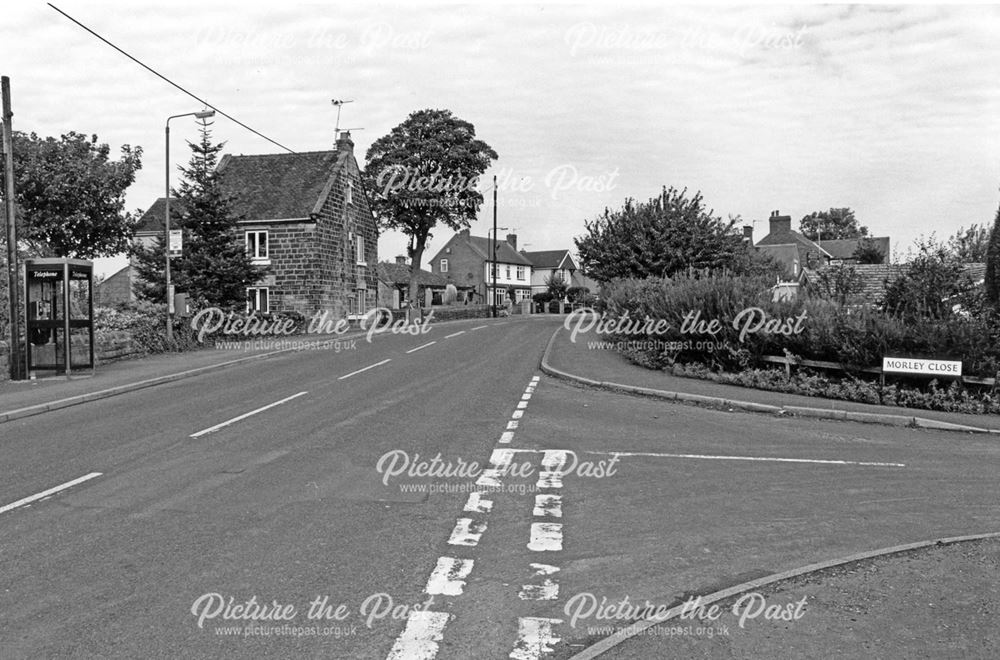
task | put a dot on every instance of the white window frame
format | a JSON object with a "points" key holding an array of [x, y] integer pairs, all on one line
{"points": [[520, 273], [443, 266], [507, 271], [359, 250], [349, 194], [257, 290], [257, 255]]}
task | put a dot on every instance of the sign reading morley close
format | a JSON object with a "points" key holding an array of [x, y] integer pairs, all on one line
{"points": [[921, 366]]}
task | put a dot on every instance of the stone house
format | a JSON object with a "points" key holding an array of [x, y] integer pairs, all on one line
{"points": [[305, 218], [465, 262]]}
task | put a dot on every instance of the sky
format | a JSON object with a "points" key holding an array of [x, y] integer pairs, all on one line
{"points": [[891, 110]]}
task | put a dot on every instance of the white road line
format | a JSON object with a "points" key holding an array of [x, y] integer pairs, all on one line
{"points": [[480, 327], [544, 569], [448, 577], [535, 379], [548, 505], [414, 350], [506, 437], [419, 640], [547, 590], [522, 405], [466, 532], [210, 429], [476, 504], [512, 425], [526, 396], [546, 537], [765, 459], [455, 334], [534, 638], [518, 414], [553, 462], [370, 366], [500, 461], [50, 491]]}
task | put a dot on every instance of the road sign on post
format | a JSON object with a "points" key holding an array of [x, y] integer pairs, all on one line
{"points": [[176, 246]]}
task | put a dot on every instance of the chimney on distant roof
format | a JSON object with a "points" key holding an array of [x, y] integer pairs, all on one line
{"points": [[780, 224], [401, 260], [748, 233], [344, 142], [512, 239], [464, 233]]}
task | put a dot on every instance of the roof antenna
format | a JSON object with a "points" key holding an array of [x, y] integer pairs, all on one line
{"points": [[339, 103]]}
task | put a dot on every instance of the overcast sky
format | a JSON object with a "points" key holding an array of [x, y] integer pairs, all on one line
{"points": [[893, 111]]}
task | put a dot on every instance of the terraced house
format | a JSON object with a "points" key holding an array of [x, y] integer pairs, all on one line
{"points": [[305, 217]]}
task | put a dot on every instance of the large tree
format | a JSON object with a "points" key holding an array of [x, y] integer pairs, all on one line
{"points": [[215, 268], [831, 225], [993, 264], [658, 238], [70, 195], [423, 173]]}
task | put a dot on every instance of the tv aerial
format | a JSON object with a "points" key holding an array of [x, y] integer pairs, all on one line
{"points": [[339, 103]]}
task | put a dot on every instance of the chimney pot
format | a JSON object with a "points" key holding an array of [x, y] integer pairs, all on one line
{"points": [[512, 239], [344, 142]]}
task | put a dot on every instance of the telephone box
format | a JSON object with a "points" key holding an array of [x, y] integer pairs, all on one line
{"points": [[59, 295]]}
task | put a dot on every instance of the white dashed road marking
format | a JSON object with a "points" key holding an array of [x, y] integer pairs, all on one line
{"points": [[763, 459], [448, 577], [370, 366], [534, 637], [546, 537], [50, 491], [414, 350], [466, 532], [476, 504], [548, 505], [210, 429], [419, 640]]}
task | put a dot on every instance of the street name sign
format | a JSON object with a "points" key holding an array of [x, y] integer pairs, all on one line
{"points": [[922, 367]]}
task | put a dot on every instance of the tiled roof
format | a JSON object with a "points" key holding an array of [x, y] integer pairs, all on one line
{"points": [[506, 254], [874, 278], [549, 258], [844, 248], [394, 273], [794, 237], [267, 186]]}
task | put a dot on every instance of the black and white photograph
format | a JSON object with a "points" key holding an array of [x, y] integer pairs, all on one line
{"points": [[524, 330]]}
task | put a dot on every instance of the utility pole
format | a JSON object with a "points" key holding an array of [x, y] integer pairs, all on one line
{"points": [[493, 293], [13, 291]]}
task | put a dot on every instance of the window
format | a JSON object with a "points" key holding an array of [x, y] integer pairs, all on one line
{"points": [[360, 306], [508, 271], [492, 271], [257, 246], [349, 194], [258, 300], [444, 266], [520, 273], [359, 250], [500, 296]]}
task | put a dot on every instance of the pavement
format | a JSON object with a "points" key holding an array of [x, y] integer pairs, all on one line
{"points": [[935, 598], [113, 565]]}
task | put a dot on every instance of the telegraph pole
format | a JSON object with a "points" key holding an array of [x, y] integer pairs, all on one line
{"points": [[493, 294], [13, 289]]}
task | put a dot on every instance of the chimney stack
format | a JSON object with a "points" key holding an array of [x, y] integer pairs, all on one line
{"points": [[780, 224], [748, 233], [345, 143], [512, 239], [401, 260]]}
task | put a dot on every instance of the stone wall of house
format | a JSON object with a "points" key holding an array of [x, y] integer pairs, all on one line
{"points": [[294, 266], [340, 279]]}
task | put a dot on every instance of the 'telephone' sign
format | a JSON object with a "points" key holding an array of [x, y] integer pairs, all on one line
{"points": [[922, 367]]}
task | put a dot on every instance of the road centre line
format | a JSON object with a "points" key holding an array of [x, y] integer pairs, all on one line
{"points": [[480, 327], [414, 350], [50, 491], [370, 366], [210, 429], [455, 334], [419, 639]]}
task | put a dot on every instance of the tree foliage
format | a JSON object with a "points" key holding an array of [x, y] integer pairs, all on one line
{"points": [[668, 234], [70, 195], [424, 173], [838, 283], [993, 264], [831, 225], [932, 284], [556, 286], [215, 267], [970, 245], [868, 252]]}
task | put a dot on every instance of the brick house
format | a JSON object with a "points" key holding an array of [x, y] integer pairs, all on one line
{"points": [[394, 285], [306, 219], [465, 262]]}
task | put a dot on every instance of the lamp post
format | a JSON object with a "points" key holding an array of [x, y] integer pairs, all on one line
{"points": [[204, 114], [493, 271]]}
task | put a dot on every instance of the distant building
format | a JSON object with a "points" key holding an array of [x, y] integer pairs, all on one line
{"points": [[306, 219], [465, 261], [556, 263], [116, 289], [394, 286]]}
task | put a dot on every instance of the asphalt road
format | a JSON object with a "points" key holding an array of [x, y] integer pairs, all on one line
{"points": [[287, 505]]}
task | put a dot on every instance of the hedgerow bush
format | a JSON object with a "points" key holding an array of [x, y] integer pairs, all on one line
{"points": [[145, 323]]}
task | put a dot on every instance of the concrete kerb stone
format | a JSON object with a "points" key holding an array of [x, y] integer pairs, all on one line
{"points": [[749, 406], [627, 633], [41, 408]]}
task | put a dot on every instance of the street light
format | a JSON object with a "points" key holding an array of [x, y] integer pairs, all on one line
{"points": [[204, 114], [493, 252]]}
